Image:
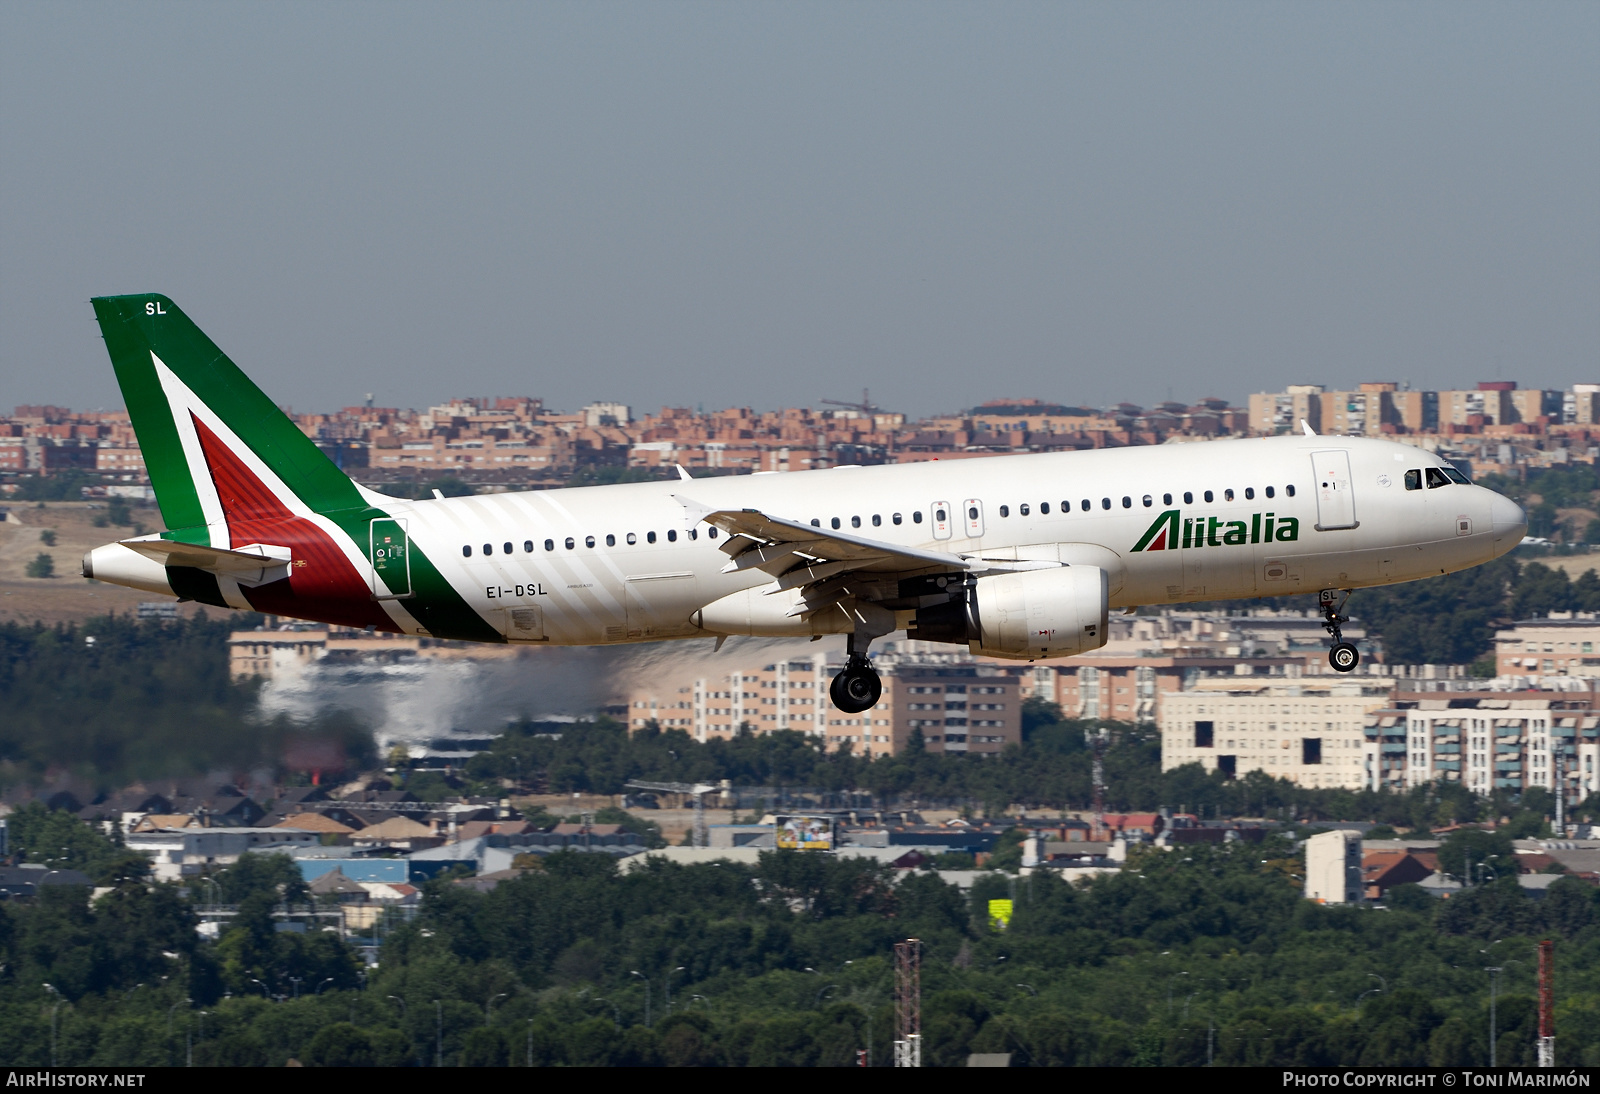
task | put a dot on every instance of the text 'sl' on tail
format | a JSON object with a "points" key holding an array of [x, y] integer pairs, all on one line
{"points": [[217, 449]]}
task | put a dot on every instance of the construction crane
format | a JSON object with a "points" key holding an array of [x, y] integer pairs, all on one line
{"points": [[866, 405], [697, 791]]}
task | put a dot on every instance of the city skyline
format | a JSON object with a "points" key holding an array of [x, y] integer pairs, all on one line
{"points": [[766, 206]]}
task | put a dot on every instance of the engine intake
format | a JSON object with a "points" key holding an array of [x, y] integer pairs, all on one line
{"points": [[1023, 616]]}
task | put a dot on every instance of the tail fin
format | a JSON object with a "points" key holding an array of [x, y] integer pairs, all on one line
{"points": [[217, 449]]}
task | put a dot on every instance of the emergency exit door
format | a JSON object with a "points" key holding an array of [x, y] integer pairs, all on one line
{"points": [[391, 559]]}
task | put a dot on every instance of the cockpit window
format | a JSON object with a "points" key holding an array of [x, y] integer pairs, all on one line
{"points": [[1414, 479], [1436, 478], [1457, 477]]}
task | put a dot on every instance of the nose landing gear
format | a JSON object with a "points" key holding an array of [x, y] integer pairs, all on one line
{"points": [[857, 687], [1344, 656]]}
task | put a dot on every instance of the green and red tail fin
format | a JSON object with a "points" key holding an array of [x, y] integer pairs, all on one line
{"points": [[195, 414]]}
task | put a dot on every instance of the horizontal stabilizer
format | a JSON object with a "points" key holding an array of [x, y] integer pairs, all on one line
{"points": [[252, 565]]}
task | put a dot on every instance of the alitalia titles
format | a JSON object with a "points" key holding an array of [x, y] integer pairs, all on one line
{"points": [[1172, 530]]}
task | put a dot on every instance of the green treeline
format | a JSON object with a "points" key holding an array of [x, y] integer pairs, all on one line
{"points": [[1188, 955], [114, 700]]}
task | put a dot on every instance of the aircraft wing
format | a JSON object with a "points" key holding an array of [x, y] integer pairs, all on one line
{"points": [[825, 564]]}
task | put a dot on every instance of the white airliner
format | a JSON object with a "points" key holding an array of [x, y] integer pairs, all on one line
{"points": [[1014, 556]]}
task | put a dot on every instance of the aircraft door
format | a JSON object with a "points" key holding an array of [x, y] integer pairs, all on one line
{"points": [[1336, 503], [972, 515], [942, 519], [390, 578]]}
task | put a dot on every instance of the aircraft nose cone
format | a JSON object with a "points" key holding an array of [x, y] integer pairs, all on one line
{"points": [[1510, 522]]}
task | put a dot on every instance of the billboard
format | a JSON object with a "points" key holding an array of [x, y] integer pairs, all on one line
{"points": [[804, 832]]}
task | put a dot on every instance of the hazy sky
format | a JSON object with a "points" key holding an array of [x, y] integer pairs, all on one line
{"points": [[768, 204]]}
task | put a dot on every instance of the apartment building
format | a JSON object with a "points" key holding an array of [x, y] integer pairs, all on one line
{"points": [[956, 707], [1487, 741], [1363, 412], [1312, 734], [1282, 412], [1556, 646]]}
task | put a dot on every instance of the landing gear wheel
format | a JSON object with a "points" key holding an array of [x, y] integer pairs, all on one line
{"points": [[1344, 657], [857, 687]]}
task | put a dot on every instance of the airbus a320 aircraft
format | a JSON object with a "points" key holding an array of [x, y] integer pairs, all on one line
{"points": [[1014, 556]]}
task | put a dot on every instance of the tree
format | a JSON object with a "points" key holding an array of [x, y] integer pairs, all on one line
{"points": [[41, 566]]}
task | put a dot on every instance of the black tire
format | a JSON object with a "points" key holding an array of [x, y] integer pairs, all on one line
{"points": [[1344, 657], [836, 692], [855, 690]]}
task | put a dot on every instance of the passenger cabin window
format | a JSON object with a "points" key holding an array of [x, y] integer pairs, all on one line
{"points": [[815, 523], [1105, 503], [1289, 490], [1436, 479], [611, 541], [466, 552], [895, 518], [877, 521], [1249, 493], [1044, 508], [1166, 499], [694, 533], [650, 537], [711, 533], [1022, 510], [835, 522], [632, 539], [1270, 491], [488, 548], [1127, 502], [1148, 501], [1414, 479], [1005, 511], [571, 543], [1208, 495], [527, 546], [916, 518], [549, 545], [588, 541], [1188, 497], [1087, 505], [1227, 495], [505, 548], [855, 522], [672, 535]]}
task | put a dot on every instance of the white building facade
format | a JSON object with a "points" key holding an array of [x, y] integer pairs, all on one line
{"points": [[1313, 734]]}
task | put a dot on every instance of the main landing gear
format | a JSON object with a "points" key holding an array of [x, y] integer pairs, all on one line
{"points": [[1344, 656], [857, 686]]}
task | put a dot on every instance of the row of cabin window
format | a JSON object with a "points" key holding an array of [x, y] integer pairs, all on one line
{"points": [[940, 515], [588, 541], [1127, 502], [1066, 506]]}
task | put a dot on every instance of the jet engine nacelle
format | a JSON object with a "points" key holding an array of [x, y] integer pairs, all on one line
{"points": [[1023, 616]]}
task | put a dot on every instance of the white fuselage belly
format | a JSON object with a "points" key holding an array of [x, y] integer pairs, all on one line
{"points": [[644, 591]]}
